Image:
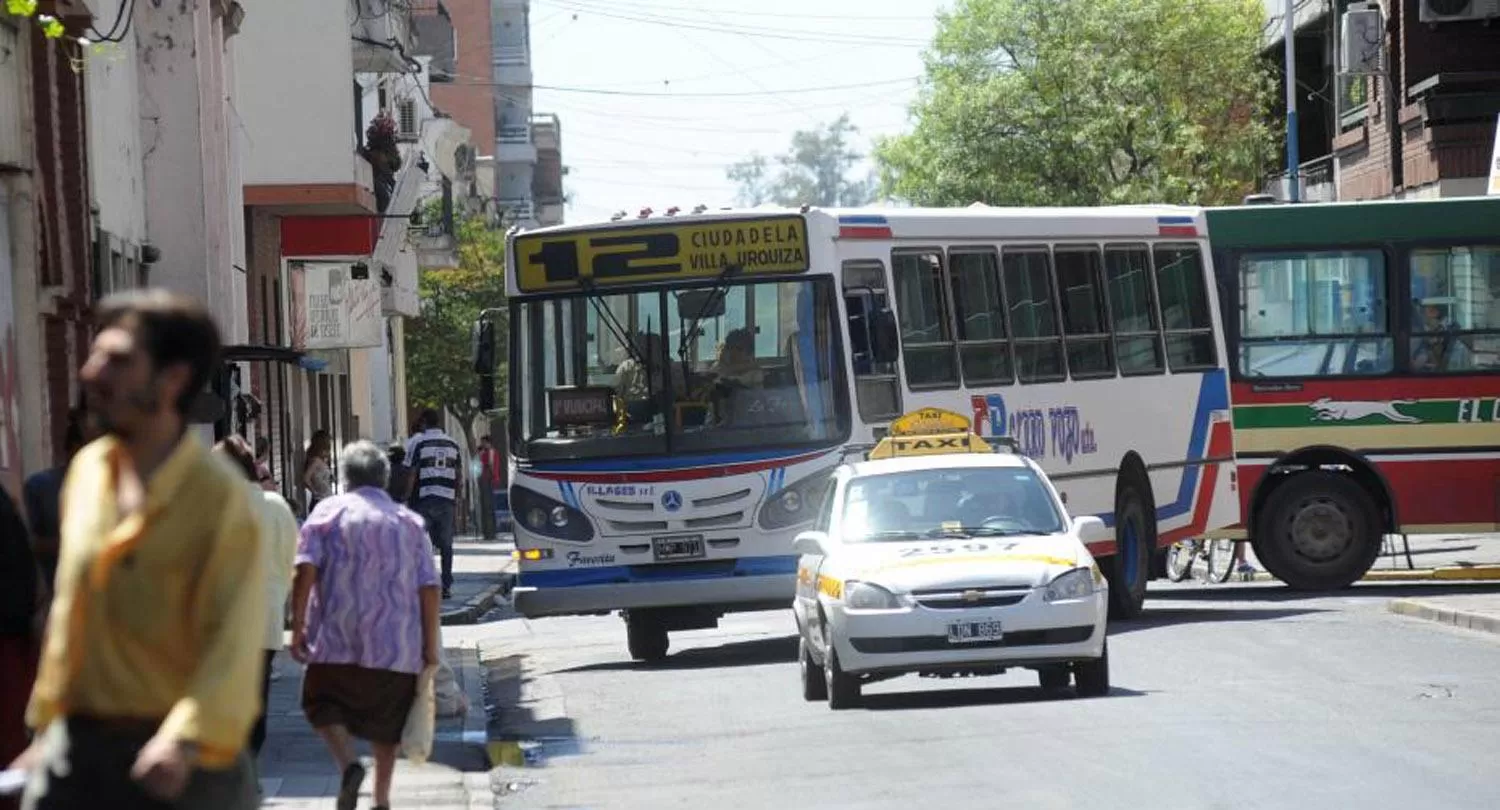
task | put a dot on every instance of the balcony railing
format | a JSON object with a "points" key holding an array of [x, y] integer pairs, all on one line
{"points": [[1315, 182], [514, 134], [516, 209], [511, 55]]}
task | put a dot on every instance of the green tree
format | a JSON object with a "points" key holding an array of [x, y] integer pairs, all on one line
{"points": [[439, 373], [1088, 102], [816, 170]]}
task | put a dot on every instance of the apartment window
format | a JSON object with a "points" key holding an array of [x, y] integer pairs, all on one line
{"points": [[1033, 316], [922, 311], [979, 307], [1185, 313], [1455, 300], [1132, 308], [1080, 288]]}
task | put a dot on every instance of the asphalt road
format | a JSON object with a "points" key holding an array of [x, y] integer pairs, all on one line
{"points": [[1229, 697]]}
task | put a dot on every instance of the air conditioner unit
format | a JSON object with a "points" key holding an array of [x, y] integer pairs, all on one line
{"points": [[1362, 41], [407, 125], [1439, 11]]}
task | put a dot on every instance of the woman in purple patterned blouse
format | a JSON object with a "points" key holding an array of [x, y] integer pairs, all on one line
{"points": [[365, 619]]}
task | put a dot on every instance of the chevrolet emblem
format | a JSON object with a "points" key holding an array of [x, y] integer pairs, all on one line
{"points": [[971, 597]]}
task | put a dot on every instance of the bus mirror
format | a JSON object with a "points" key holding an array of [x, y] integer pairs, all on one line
{"points": [[697, 305], [483, 349], [486, 393], [885, 341]]}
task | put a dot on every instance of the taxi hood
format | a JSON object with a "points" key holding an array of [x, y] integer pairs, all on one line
{"points": [[981, 562]]}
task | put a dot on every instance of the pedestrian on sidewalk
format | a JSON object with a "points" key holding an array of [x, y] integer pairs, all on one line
{"points": [[489, 481], [364, 619], [437, 459], [317, 468], [403, 477], [278, 546], [21, 601], [147, 686]]}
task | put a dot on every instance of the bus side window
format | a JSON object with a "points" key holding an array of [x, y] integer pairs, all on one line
{"points": [[1183, 293], [1132, 308], [1033, 315], [1456, 323], [922, 310], [1080, 290], [979, 307], [877, 389]]}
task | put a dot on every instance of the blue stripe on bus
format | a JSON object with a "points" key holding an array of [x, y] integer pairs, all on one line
{"points": [[780, 565], [1213, 395], [1175, 221], [862, 219], [665, 462]]}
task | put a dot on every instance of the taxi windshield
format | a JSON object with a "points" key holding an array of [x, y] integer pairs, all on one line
{"points": [[966, 502]]}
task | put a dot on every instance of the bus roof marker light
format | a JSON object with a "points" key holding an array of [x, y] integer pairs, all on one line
{"points": [[672, 212], [645, 213]]}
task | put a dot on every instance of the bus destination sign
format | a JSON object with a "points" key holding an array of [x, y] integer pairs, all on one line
{"points": [[660, 252]]}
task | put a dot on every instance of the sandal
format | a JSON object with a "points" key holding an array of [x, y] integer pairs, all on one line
{"points": [[354, 776]]}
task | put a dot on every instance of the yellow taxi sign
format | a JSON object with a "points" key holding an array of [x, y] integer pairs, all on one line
{"points": [[929, 432], [659, 251]]}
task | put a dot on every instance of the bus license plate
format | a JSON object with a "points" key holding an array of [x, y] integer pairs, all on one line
{"points": [[970, 632], [689, 547]]}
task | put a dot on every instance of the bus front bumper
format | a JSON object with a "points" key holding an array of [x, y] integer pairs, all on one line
{"points": [[728, 594]]}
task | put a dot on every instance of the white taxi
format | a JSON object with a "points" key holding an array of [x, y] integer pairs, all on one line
{"points": [[940, 556]]}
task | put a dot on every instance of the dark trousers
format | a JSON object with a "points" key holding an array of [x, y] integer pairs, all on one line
{"points": [[258, 732], [86, 765], [486, 509], [438, 514]]}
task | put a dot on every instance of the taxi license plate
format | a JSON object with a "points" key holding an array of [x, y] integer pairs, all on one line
{"points": [[686, 547], [970, 632]]}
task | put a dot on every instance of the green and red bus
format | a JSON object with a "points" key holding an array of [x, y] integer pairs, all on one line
{"points": [[1364, 343]]}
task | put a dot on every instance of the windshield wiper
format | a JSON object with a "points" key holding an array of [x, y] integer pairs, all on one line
{"points": [[891, 535], [721, 289], [977, 531], [612, 323]]}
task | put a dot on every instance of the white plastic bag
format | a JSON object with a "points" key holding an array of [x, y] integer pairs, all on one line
{"points": [[451, 701], [416, 736]]}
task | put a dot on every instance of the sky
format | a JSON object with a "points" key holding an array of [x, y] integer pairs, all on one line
{"points": [[658, 97]]}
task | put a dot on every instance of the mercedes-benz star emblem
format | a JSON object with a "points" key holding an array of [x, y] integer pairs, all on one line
{"points": [[671, 500]]}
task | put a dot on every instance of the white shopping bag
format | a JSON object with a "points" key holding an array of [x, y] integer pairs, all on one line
{"points": [[451, 701], [416, 736]]}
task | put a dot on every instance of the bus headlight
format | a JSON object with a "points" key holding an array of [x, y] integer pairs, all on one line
{"points": [[550, 518], [796, 504]]}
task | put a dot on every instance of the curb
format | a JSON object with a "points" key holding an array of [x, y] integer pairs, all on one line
{"points": [[481, 604], [1417, 609]]}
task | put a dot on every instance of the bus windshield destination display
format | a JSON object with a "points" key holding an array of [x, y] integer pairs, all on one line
{"points": [[660, 252]]}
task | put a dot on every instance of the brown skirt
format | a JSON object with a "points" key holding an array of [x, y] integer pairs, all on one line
{"points": [[371, 703]]}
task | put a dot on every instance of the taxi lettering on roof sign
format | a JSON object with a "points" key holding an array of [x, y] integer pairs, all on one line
{"points": [[929, 432], [660, 252]]}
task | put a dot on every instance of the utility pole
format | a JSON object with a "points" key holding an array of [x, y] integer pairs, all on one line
{"points": [[1294, 180]]}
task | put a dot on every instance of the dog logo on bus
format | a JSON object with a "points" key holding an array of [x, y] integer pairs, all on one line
{"points": [[1327, 410]]}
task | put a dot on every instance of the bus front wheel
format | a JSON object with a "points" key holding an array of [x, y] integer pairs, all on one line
{"points": [[1318, 531], [1135, 539], [646, 636]]}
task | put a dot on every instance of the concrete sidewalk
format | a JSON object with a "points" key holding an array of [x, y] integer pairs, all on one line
{"points": [[483, 571], [297, 771], [1471, 611]]}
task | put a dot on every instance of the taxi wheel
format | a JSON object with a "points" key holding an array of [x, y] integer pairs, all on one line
{"points": [[1091, 677], [814, 685], [646, 637], [1135, 538], [1054, 677], [843, 688]]}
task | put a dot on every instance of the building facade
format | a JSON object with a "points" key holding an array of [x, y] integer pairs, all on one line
{"points": [[1396, 98]]}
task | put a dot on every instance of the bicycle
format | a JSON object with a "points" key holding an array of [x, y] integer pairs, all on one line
{"points": [[1217, 556]]}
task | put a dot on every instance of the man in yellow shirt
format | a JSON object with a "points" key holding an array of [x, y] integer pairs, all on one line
{"points": [[148, 684]]}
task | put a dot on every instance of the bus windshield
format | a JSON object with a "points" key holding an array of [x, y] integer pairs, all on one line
{"points": [[706, 368]]}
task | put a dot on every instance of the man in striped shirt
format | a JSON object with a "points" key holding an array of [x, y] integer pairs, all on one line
{"points": [[437, 461]]}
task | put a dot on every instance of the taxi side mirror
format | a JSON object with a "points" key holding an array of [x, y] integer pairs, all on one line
{"points": [[1090, 529], [811, 543]]}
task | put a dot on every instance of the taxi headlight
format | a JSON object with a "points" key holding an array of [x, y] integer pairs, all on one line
{"points": [[1075, 584], [869, 596]]}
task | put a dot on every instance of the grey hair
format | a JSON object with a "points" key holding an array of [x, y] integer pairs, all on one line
{"points": [[365, 465]]}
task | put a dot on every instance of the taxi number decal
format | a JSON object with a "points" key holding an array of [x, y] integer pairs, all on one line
{"points": [[973, 548]]}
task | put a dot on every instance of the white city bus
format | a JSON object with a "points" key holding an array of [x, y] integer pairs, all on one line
{"points": [[681, 387]]}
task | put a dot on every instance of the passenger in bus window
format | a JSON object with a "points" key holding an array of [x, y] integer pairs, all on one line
{"points": [[736, 360], [1437, 347]]}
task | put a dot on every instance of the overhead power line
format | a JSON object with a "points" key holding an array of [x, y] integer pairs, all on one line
{"points": [[796, 35], [710, 12], [606, 91]]}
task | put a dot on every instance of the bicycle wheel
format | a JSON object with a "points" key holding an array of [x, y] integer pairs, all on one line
{"points": [[1180, 559], [1220, 560]]}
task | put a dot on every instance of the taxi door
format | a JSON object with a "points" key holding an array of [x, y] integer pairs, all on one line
{"points": [[808, 567]]}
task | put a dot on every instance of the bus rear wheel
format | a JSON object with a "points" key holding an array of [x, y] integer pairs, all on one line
{"points": [[1135, 539], [1318, 531]]}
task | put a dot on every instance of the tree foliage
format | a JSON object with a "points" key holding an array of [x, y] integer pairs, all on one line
{"points": [[439, 373], [1088, 102], [815, 170]]}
